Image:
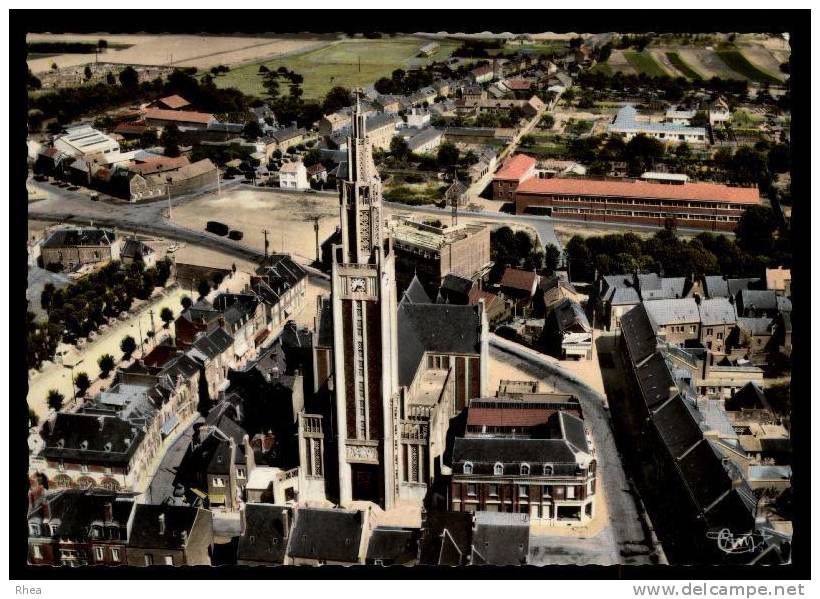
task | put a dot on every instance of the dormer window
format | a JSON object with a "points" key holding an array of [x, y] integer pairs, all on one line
{"points": [[548, 470], [525, 469], [34, 529], [468, 468], [498, 469]]}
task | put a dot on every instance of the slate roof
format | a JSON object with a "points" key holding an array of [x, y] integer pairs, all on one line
{"points": [[569, 313], [651, 287], [440, 328], [75, 510], [88, 438], [79, 237], [656, 382], [750, 397], [705, 476], [457, 284], [717, 311], [145, 527], [132, 247], [510, 451], [392, 544], [677, 426], [501, 539], [673, 311], [756, 326], [717, 286], [638, 333], [446, 539], [287, 133], [208, 346], [265, 534], [327, 534], [415, 293], [759, 299]]}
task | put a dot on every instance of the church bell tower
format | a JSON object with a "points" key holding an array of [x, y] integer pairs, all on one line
{"points": [[363, 300]]}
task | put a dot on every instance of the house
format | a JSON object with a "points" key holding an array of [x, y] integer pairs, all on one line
{"points": [[293, 175], [317, 173], [417, 118], [455, 289], [84, 140], [392, 546], [718, 286], [175, 177], [519, 285], [780, 280], [174, 102], [500, 539], [457, 194], [265, 533], [336, 121], [514, 170], [328, 537], [497, 309], [280, 284], [556, 289], [446, 539], [524, 452], [425, 141], [568, 331], [759, 302], [170, 535], [679, 117], [134, 250], [184, 119], [482, 74], [286, 138], [78, 527], [71, 248]]}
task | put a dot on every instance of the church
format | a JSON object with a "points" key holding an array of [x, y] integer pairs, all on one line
{"points": [[395, 369]]}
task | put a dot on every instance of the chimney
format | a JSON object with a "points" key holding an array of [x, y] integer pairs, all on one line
{"points": [[162, 524], [184, 537], [697, 298], [108, 512], [285, 524]]}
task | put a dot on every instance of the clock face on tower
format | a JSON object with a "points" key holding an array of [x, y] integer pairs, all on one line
{"points": [[358, 285]]}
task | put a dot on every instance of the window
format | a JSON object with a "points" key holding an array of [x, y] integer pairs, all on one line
{"points": [[493, 489], [115, 554], [570, 492], [523, 492], [218, 482], [720, 336], [547, 470], [468, 468], [498, 469], [34, 529], [53, 529], [35, 552], [471, 490], [240, 473], [83, 467], [708, 331], [546, 491], [693, 329], [168, 560], [525, 469], [99, 553], [149, 559]]}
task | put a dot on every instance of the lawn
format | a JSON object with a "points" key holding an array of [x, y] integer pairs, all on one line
{"points": [[348, 63], [549, 48], [682, 66], [602, 67], [643, 62], [740, 64]]}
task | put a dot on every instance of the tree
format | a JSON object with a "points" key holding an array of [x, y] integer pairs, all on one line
{"points": [[129, 78], [110, 79], [102, 45], [204, 288], [779, 158], [252, 130], [128, 346], [448, 154], [552, 255], [547, 121], [313, 156], [186, 302], [82, 383], [748, 166], [399, 148], [33, 419], [55, 400], [683, 151], [337, 98], [106, 363], [701, 119], [87, 73], [167, 316], [170, 141], [755, 230], [148, 138]]}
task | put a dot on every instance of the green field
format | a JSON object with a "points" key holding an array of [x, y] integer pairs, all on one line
{"points": [[602, 67], [682, 66], [549, 48], [643, 62], [740, 64], [348, 63]]}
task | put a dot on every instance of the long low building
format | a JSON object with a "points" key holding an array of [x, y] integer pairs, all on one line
{"points": [[628, 124], [711, 206]]}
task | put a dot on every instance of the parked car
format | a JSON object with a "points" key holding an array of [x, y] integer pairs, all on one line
{"points": [[236, 235], [217, 228]]}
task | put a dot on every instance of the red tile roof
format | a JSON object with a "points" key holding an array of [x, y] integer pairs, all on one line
{"points": [[316, 169], [183, 116], [483, 70], [519, 84], [705, 192], [159, 165], [515, 278], [136, 128], [174, 102], [477, 294], [515, 167], [512, 416]]}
